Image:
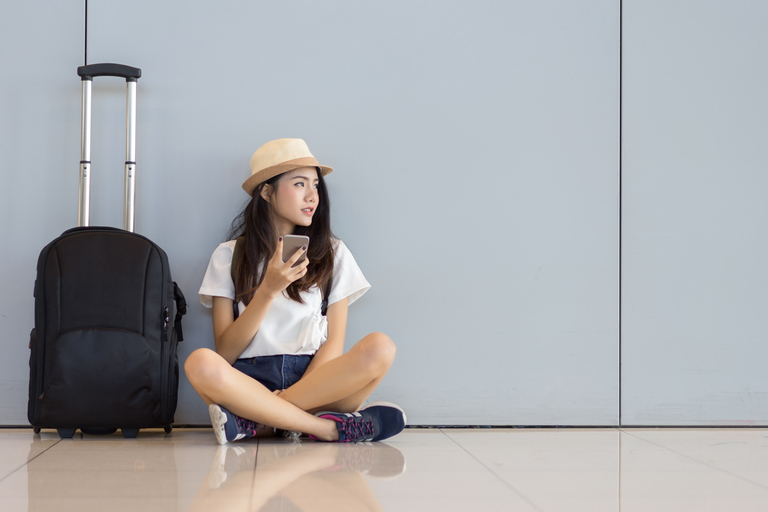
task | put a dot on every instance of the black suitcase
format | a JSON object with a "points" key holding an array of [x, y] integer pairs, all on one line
{"points": [[107, 313]]}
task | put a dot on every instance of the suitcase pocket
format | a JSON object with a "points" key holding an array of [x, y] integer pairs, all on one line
{"points": [[101, 378]]}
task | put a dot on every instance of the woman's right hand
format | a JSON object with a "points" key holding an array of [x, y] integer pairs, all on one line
{"points": [[233, 336], [279, 275]]}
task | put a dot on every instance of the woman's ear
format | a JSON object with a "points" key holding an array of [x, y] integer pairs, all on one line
{"points": [[266, 192]]}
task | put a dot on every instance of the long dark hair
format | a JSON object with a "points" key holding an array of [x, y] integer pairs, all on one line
{"points": [[255, 223]]}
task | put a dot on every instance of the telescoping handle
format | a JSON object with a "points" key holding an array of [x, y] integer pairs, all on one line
{"points": [[131, 75]]}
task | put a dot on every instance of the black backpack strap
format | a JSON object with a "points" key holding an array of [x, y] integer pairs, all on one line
{"points": [[326, 293], [237, 254], [181, 310]]}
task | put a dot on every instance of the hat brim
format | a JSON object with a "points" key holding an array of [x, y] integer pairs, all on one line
{"points": [[267, 173]]}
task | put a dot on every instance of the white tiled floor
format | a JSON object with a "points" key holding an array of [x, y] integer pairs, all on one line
{"points": [[421, 469]]}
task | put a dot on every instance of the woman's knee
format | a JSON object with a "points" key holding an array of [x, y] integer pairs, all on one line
{"points": [[202, 365], [378, 350]]}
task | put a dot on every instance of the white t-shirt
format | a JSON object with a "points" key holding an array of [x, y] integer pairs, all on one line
{"points": [[288, 327]]}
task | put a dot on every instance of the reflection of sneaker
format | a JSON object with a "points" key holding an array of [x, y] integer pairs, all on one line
{"points": [[229, 427], [379, 460], [220, 469], [377, 421]]}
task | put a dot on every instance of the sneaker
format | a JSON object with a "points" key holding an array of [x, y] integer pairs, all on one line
{"points": [[291, 436], [229, 427], [375, 422]]}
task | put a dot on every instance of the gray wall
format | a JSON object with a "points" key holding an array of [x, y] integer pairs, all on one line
{"points": [[694, 212], [476, 148]]}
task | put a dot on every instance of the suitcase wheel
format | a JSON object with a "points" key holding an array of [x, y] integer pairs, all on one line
{"points": [[66, 433], [36, 430], [130, 433], [168, 429]]}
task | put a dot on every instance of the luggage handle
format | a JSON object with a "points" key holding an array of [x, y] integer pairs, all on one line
{"points": [[131, 76], [108, 69]]}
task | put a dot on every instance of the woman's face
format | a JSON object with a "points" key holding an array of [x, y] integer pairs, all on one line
{"points": [[294, 199]]}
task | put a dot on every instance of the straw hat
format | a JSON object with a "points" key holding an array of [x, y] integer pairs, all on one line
{"points": [[279, 156]]}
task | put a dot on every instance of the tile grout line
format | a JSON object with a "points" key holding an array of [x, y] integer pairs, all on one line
{"points": [[30, 460], [721, 470], [507, 484], [255, 466], [619, 481]]}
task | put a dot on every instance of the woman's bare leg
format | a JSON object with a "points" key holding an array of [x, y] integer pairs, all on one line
{"points": [[344, 383], [216, 381], [340, 385]]}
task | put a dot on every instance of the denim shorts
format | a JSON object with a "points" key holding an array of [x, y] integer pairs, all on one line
{"points": [[275, 372]]}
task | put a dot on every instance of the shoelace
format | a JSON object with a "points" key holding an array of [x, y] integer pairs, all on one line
{"points": [[357, 429], [245, 426]]}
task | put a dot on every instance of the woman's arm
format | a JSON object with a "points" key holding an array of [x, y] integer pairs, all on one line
{"points": [[337, 328], [233, 336]]}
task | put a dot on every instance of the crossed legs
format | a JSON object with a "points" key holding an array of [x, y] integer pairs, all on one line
{"points": [[340, 385]]}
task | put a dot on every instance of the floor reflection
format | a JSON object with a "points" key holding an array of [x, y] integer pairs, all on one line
{"points": [[284, 475], [521, 470], [95, 472]]}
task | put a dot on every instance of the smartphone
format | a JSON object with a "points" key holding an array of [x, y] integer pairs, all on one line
{"points": [[291, 244]]}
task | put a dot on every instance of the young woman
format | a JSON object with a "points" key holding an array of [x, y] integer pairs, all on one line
{"points": [[279, 361]]}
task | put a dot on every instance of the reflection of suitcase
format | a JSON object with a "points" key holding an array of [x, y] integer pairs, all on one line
{"points": [[107, 314]]}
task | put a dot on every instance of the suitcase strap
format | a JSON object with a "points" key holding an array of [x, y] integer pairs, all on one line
{"points": [[181, 310]]}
